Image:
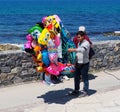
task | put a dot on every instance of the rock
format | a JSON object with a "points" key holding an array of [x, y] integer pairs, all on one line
{"points": [[4, 47], [115, 33]]}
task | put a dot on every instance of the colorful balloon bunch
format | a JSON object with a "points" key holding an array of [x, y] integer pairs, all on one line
{"points": [[43, 40]]}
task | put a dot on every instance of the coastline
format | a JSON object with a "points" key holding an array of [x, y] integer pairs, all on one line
{"points": [[106, 41], [9, 46]]}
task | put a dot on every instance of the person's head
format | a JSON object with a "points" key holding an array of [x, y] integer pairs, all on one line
{"points": [[80, 35], [82, 28]]}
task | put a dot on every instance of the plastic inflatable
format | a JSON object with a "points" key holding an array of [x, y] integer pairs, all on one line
{"points": [[45, 57], [35, 31], [44, 37], [68, 69], [27, 46], [67, 43], [43, 41], [57, 40], [55, 69]]}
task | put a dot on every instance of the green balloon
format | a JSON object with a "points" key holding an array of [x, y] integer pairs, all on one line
{"points": [[35, 31]]}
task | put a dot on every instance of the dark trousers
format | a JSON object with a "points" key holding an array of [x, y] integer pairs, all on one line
{"points": [[81, 69]]}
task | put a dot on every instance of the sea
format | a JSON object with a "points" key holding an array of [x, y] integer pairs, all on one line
{"points": [[98, 16]]}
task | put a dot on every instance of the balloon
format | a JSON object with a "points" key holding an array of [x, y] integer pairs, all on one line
{"points": [[39, 68], [37, 48], [52, 23], [52, 52], [28, 45], [55, 69], [53, 57], [35, 31], [44, 37], [57, 18], [45, 58], [44, 19], [39, 57], [29, 37], [57, 41], [34, 43], [68, 69]]}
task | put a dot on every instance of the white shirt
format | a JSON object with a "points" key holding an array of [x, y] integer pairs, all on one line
{"points": [[82, 52]]}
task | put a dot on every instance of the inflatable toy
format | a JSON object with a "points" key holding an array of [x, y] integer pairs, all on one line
{"points": [[55, 69], [27, 45], [37, 48], [68, 69], [52, 24], [57, 40], [45, 57], [52, 51], [29, 37], [67, 43], [44, 37], [43, 41], [35, 31]]}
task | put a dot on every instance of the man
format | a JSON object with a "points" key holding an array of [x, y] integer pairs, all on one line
{"points": [[75, 40], [82, 64]]}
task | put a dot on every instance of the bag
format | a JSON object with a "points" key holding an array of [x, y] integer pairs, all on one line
{"points": [[91, 53]]}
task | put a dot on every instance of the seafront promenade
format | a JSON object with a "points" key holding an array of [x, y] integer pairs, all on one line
{"points": [[104, 95]]}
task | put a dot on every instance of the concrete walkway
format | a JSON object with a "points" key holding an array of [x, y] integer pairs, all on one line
{"points": [[104, 96]]}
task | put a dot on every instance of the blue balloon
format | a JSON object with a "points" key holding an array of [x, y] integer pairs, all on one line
{"points": [[45, 57]]}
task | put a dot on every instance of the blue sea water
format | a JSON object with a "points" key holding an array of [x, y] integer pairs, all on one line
{"points": [[98, 16]]}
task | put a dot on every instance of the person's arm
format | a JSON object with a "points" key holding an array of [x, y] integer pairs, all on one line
{"points": [[71, 50], [79, 49]]}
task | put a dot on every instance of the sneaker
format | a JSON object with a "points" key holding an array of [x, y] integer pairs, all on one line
{"points": [[52, 84], [74, 93], [66, 77], [83, 94], [49, 83], [57, 80]]}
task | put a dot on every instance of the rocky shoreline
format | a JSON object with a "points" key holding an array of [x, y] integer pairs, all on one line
{"points": [[5, 47], [115, 33]]}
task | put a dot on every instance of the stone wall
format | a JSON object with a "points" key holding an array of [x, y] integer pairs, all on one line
{"points": [[107, 55], [18, 66]]}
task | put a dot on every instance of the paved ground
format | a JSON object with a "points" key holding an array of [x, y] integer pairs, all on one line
{"points": [[104, 96]]}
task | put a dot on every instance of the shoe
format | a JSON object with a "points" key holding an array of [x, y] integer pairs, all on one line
{"points": [[57, 80], [49, 83], [52, 84], [74, 93], [83, 94], [66, 77]]}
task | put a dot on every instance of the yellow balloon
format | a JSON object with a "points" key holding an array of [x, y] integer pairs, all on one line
{"points": [[40, 68], [44, 37], [39, 57]]}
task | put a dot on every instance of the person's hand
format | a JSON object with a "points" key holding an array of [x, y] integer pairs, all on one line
{"points": [[71, 50]]}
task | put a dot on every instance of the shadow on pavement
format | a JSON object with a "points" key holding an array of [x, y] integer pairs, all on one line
{"points": [[60, 96], [92, 76], [91, 92]]}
